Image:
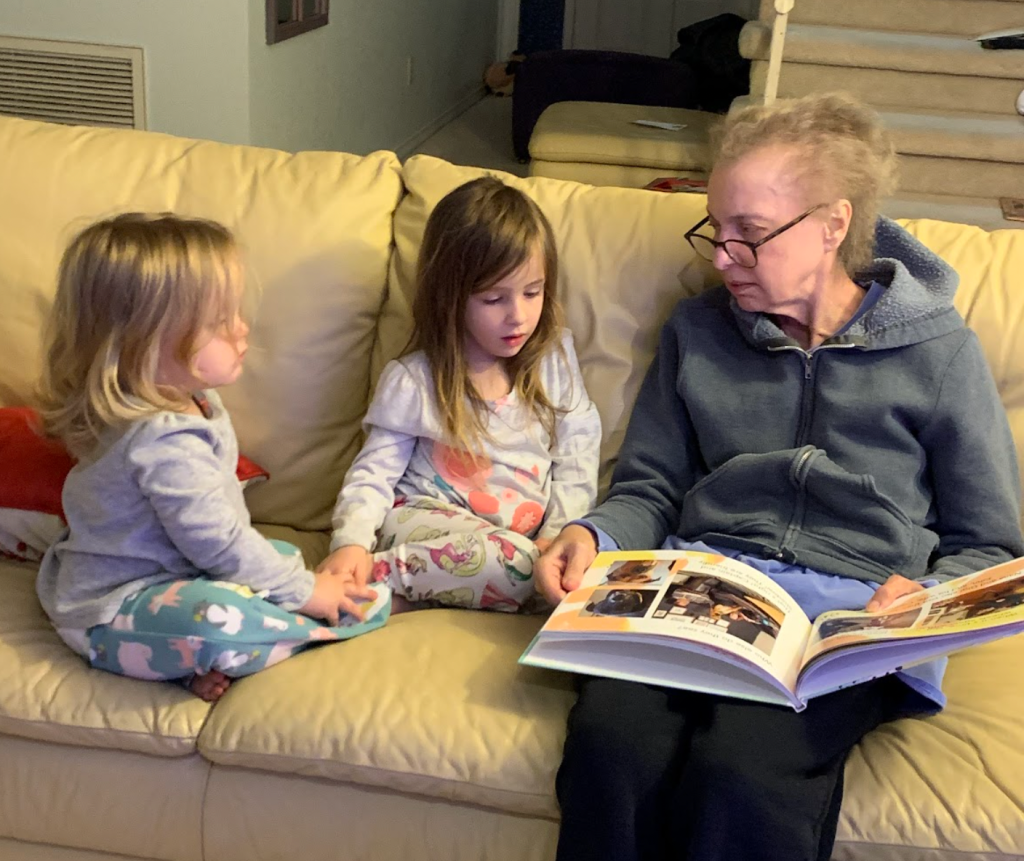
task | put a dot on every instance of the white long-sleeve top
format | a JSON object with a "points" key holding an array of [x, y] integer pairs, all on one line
{"points": [[525, 481]]}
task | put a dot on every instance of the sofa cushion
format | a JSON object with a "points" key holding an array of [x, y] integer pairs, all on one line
{"points": [[120, 805], [624, 265], [605, 133], [316, 228], [49, 693], [373, 824], [314, 546], [952, 783], [623, 175], [432, 704], [990, 265]]}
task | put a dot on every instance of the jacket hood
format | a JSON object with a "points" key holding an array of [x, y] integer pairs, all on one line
{"points": [[917, 303]]}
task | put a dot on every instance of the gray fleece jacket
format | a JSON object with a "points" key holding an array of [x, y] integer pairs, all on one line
{"points": [[884, 450]]}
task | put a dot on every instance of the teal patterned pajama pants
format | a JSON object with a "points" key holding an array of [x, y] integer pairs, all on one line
{"points": [[187, 627], [438, 552]]}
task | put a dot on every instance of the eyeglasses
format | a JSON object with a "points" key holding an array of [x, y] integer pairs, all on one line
{"points": [[740, 252]]}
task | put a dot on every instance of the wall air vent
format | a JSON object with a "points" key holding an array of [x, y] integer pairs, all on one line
{"points": [[72, 82]]}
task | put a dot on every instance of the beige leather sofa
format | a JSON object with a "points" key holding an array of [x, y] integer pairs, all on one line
{"points": [[423, 740]]}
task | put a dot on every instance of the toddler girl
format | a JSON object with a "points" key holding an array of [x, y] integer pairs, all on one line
{"points": [[481, 443], [156, 574]]}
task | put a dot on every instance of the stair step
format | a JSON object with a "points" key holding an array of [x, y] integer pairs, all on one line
{"points": [[896, 89], [848, 47], [949, 134], [962, 154], [952, 134], [952, 17], [983, 212], [961, 177], [954, 154]]}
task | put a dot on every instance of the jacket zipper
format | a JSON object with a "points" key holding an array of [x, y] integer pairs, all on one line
{"points": [[783, 553]]}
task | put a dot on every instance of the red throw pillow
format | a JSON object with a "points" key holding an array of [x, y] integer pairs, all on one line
{"points": [[32, 467], [32, 473]]}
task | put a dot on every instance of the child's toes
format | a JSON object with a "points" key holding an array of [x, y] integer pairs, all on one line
{"points": [[210, 686]]}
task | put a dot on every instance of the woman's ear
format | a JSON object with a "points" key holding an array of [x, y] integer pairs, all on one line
{"points": [[837, 224]]}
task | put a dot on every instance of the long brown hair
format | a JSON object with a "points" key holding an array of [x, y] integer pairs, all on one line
{"points": [[476, 235], [127, 287]]}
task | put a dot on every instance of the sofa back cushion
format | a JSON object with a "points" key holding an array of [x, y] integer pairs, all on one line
{"points": [[623, 264], [316, 228], [990, 298]]}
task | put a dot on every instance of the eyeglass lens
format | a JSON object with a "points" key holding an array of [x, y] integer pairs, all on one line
{"points": [[740, 253]]}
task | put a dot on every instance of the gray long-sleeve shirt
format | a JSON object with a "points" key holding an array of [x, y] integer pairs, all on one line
{"points": [[156, 502]]}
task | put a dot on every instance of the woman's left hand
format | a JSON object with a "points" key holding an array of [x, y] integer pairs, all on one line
{"points": [[895, 587]]}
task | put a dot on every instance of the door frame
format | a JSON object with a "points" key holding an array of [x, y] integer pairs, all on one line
{"points": [[568, 23], [508, 28]]}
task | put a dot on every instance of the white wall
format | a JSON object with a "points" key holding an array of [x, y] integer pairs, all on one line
{"points": [[196, 63], [344, 86]]}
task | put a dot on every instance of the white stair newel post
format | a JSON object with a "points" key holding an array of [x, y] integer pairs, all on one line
{"points": [[771, 85]]}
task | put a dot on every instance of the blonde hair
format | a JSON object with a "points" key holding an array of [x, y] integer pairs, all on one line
{"points": [[129, 288], [841, 150], [478, 234]]}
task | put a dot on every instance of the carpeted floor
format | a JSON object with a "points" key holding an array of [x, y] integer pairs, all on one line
{"points": [[481, 136]]}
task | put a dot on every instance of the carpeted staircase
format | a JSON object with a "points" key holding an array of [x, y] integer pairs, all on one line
{"points": [[949, 103]]}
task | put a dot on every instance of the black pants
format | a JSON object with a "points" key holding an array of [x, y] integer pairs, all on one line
{"points": [[653, 774]]}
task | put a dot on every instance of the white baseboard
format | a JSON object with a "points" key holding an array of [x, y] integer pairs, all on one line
{"points": [[408, 147]]}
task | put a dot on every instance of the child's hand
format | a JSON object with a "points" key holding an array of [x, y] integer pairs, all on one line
{"points": [[351, 562], [333, 596], [542, 544]]}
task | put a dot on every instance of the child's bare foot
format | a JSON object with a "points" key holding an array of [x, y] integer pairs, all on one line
{"points": [[211, 686]]}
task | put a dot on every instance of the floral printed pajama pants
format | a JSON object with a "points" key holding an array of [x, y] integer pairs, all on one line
{"points": [[186, 627], [429, 550]]}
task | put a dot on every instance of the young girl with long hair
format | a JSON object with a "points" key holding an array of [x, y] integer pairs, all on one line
{"points": [[157, 574], [481, 442]]}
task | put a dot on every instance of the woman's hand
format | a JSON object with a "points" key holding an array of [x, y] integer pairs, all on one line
{"points": [[334, 596], [562, 566], [351, 562], [895, 587]]}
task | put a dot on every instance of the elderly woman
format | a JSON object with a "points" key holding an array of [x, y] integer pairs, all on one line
{"points": [[824, 415]]}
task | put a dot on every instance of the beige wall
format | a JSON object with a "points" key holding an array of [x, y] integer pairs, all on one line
{"points": [[197, 77], [344, 86]]}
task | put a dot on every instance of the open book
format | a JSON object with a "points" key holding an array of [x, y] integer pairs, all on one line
{"points": [[701, 621]]}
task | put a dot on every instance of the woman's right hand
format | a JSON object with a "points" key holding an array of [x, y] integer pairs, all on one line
{"points": [[561, 567], [334, 596]]}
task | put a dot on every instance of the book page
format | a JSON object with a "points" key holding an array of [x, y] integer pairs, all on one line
{"points": [[704, 598], [974, 602]]}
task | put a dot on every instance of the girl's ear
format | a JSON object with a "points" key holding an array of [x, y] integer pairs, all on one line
{"points": [[837, 224]]}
